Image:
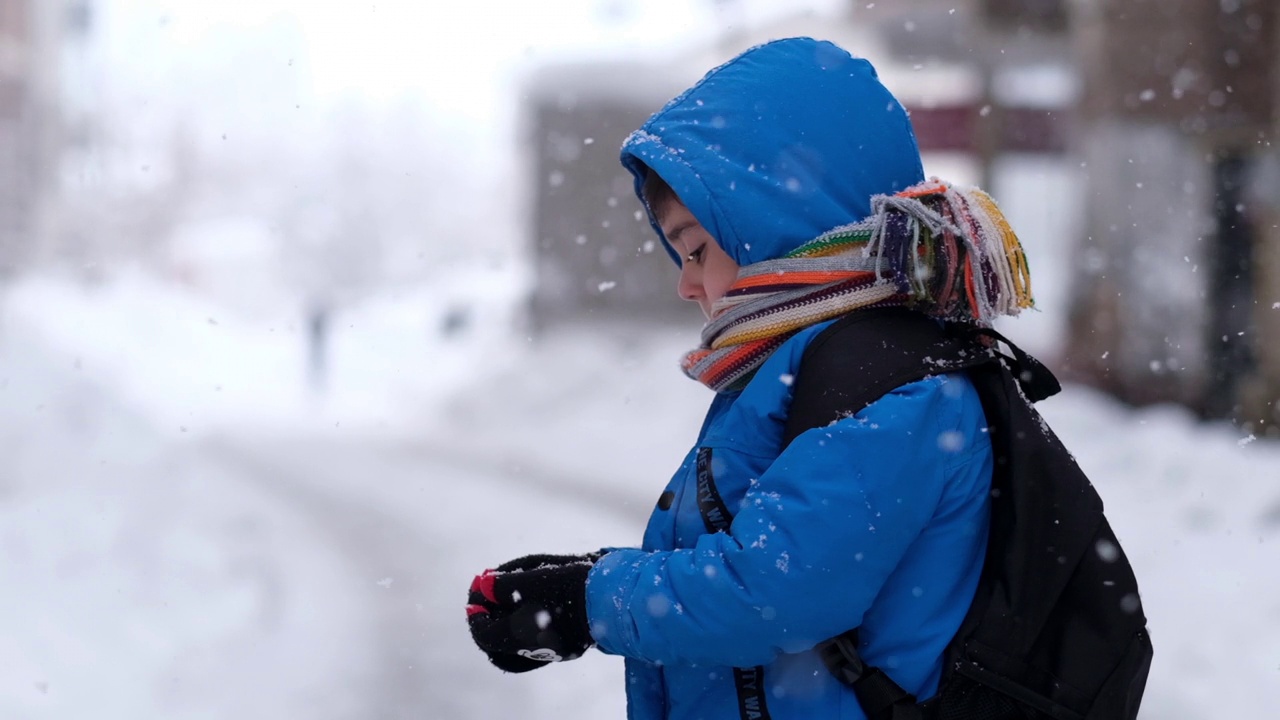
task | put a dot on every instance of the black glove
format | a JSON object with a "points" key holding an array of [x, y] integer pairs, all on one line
{"points": [[532, 611]]}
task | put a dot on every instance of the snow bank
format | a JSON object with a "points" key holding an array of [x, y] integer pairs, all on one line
{"points": [[142, 580], [194, 367]]}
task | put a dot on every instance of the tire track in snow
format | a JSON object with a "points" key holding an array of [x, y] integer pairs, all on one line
{"points": [[390, 565], [601, 495], [416, 626]]}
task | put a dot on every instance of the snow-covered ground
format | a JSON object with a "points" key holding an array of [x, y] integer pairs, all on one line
{"points": [[187, 531]]}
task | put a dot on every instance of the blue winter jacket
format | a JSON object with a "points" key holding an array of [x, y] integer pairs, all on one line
{"points": [[878, 521]]}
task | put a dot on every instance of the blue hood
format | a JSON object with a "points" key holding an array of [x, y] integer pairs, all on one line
{"points": [[778, 145]]}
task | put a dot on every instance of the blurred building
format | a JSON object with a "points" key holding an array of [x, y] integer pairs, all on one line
{"points": [[994, 41], [1178, 278], [34, 37], [594, 253]]}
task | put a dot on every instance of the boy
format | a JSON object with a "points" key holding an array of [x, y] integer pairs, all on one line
{"points": [[787, 186]]}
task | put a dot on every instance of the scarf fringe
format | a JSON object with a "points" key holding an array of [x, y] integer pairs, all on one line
{"points": [[953, 252], [946, 251]]}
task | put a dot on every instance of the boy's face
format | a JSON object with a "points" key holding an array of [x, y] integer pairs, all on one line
{"points": [[706, 271]]}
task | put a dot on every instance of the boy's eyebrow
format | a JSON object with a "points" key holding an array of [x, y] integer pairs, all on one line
{"points": [[674, 235]]}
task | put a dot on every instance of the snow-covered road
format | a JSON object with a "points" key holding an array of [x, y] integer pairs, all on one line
{"points": [[262, 576], [180, 538], [411, 525], [377, 553]]}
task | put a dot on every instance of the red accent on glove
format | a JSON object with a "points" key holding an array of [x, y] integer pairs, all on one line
{"points": [[483, 584]]}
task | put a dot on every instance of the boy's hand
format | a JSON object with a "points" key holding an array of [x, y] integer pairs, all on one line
{"points": [[532, 611]]}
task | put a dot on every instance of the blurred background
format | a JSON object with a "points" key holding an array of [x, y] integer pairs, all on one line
{"points": [[309, 311]]}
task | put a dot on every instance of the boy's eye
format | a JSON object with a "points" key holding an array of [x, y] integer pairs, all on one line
{"points": [[696, 255]]}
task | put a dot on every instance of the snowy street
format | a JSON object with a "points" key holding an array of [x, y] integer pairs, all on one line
{"points": [[243, 577], [174, 550], [408, 533]]}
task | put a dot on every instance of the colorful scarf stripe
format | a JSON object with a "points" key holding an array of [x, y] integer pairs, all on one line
{"points": [[945, 251]]}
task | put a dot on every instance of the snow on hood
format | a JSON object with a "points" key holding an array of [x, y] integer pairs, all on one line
{"points": [[778, 145]]}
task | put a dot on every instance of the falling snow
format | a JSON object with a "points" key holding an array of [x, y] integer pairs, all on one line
{"points": [[1152, 474], [951, 441], [658, 605], [1107, 550]]}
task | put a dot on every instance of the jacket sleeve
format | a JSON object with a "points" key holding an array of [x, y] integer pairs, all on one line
{"points": [[813, 543]]}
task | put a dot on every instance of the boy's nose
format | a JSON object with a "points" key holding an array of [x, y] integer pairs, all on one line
{"points": [[688, 288]]}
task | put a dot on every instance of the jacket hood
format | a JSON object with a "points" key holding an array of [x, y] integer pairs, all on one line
{"points": [[778, 145]]}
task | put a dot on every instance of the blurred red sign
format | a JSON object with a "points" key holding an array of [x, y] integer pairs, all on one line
{"points": [[954, 128]]}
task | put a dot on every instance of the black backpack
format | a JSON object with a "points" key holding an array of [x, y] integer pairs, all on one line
{"points": [[1056, 628]]}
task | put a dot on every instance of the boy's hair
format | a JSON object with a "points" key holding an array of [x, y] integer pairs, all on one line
{"points": [[657, 193]]}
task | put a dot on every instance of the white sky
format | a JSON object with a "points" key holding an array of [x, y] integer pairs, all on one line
{"points": [[448, 52]]}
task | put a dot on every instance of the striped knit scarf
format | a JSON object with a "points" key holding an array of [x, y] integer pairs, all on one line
{"points": [[943, 250]]}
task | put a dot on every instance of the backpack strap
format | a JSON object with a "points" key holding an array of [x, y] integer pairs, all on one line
{"points": [[867, 353], [748, 682], [879, 696]]}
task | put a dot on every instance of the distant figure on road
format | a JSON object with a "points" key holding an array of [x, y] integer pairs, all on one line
{"points": [[318, 345]]}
